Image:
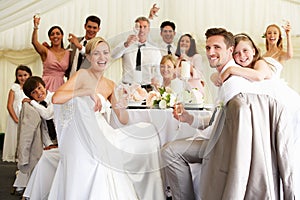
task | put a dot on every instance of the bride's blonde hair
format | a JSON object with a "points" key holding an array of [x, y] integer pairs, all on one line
{"points": [[91, 45]]}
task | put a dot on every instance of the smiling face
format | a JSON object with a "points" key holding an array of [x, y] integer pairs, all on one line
{"points": [[99, 57], [167, 34], [56, 37], [272, 35], [217, 53], [243, 53], [39, 93], [22, 76], [167, 70], [144, 31], [91, 30], [185, 43]]}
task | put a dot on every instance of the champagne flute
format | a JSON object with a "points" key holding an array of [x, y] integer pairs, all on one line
{"points": [[121, 96], [69, 38], [182, 51], [179, 112], [136, 30]]}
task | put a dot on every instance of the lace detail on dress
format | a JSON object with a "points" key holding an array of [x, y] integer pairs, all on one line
{"points": [[66, 114]]}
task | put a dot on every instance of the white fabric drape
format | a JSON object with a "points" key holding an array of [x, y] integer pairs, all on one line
{"points": [[192, 16]]}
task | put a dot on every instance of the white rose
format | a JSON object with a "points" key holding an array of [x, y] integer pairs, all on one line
{"points": [[162, 104]]}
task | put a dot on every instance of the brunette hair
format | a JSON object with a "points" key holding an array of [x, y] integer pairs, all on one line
{"points": [[60, 30], [192, 50], [22, 68], [31, 83], [228, 36]]}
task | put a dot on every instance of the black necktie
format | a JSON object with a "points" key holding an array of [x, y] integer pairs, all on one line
{"points": [[169, 49], [50, 124], [80, 57], [138, 59]]}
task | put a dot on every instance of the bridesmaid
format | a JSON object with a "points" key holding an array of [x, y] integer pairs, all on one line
{"points": [[55, 58]]}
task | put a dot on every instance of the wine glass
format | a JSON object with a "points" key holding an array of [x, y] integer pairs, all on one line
{"points": [[121, 93], [182, 51], [136, 28], [69, 38]]}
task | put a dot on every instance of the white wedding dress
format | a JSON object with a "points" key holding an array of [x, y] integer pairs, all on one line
{"points": [[99, 162]]}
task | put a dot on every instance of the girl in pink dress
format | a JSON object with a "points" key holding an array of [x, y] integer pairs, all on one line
{"points": [[55, 58]]}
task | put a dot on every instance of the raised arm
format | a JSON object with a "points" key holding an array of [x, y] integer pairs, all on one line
{"points": [[40, 49], [290, 52]]}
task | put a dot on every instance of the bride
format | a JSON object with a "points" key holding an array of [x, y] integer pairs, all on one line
{"points": [[97, 161]]}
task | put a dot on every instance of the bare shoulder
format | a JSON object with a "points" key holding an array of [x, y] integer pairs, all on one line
{"points": [[261, 63], [109, 82]]}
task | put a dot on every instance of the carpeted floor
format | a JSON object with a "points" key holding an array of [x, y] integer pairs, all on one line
{"points": [[7, 178]]}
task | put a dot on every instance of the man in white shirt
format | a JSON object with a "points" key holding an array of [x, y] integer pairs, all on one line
{"points": [[147, 67], [167, 33], [176, 155]]}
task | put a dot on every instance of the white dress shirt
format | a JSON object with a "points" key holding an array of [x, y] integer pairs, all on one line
{"points": [[45, 113], [164, 48], [150, 61]]}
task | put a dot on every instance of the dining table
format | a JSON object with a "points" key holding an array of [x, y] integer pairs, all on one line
{"points": [[168, 128]]}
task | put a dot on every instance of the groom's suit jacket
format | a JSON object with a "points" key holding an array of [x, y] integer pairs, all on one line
{"points": [[249, 151]]}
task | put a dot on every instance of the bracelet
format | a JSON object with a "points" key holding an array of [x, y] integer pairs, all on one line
{"points": [[35, 27]]}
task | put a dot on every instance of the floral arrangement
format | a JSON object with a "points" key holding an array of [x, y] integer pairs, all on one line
{"points": [[163, 98], [166, 98]]}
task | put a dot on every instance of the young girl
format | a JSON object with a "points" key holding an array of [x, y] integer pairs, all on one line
{"points": [[14, 104]]}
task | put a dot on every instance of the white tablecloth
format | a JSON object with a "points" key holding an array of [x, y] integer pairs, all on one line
{"points": [[164, 122], [166, 126]]}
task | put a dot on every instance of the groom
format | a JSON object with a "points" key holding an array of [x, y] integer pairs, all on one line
{"points": [[218, 160]]}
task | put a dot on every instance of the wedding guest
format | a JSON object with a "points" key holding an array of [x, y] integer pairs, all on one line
{"points": [[35, 131], [167, 70], [55, 58], [14, 105], [77, 44], [167, 33], [187, 51], [110, 166], [138, 56], [274, 42]]}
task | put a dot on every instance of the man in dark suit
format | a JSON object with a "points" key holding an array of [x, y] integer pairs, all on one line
{"points": [[77, 44]]}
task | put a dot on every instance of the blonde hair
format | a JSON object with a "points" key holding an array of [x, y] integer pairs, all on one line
{"points": [[169, 57], [91, 45]]}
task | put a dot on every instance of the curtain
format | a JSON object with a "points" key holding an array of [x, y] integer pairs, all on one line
{"points": [[190, 16]]}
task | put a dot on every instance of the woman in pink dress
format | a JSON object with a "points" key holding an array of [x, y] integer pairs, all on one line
{"points": [[55, 58]]}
